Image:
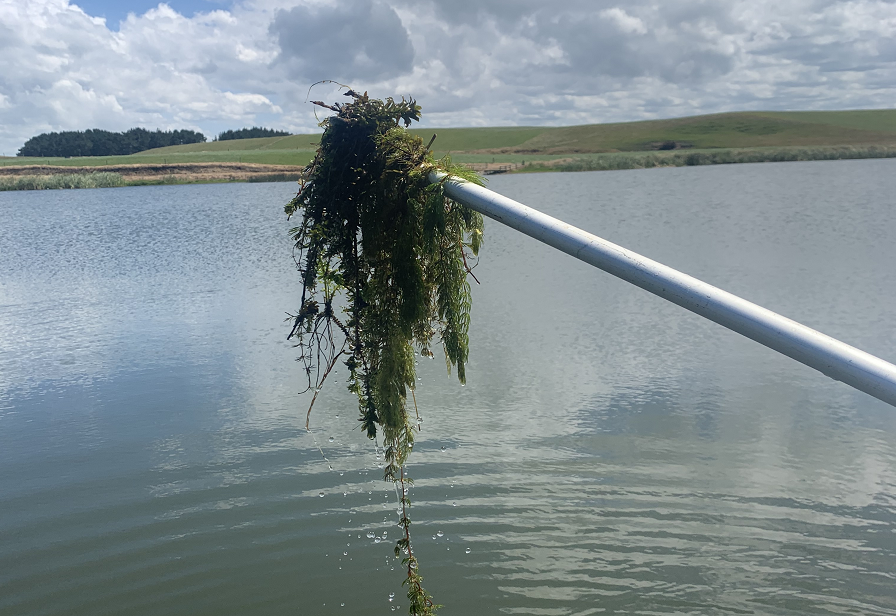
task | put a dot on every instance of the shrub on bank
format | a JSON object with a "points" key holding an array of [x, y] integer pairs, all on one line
{"points": [[100, 179], [635, 160]]}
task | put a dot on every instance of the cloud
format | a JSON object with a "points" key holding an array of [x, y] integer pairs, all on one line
{"points": [[361, 39], [468, 62]]}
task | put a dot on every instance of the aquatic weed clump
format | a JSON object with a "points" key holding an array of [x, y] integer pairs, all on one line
{"points": [[384, 257]]}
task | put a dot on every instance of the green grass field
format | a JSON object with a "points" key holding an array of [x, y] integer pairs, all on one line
{"points": [[803, 129], [728, 130]]}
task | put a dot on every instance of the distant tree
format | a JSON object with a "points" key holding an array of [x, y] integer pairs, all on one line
{"points": [[250, 133], [98, 142]]}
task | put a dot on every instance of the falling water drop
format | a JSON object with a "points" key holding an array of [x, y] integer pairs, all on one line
{"points": [[468, 550]]}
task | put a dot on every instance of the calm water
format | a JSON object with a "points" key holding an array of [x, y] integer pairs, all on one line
{"points": [[611, 453]]}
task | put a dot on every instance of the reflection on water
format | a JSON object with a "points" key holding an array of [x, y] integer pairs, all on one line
{"points": [[611, 453]]}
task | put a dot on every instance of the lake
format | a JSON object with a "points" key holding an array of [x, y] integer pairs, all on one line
{"points": [[611, 453]]}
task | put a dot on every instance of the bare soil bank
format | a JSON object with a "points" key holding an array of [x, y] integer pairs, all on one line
{"points": [[181, 172]]}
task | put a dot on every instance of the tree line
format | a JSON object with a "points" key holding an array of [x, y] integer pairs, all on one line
{"points": [[97, 142], [250, 133]]}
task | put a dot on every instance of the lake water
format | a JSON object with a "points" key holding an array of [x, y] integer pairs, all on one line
{"points": [[611, 453]]}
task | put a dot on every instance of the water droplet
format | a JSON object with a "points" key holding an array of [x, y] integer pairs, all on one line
{"points": [[345, 553], [444, 448], [371, 534], [391, 596], [342, 605], [454, 504], [321, 495], [469, 550], [377, 540], [385, 534], [359, 536], [440, 534], [341, 473], [433, 537], [331, 439]]}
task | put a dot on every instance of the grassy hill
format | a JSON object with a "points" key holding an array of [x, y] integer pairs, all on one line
{"points": [[726, 130], [862, 128]]}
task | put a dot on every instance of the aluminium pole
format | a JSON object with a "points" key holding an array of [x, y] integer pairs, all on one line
{"points": [[833, 358]]}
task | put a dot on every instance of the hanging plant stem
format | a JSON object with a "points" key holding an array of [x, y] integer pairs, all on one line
{"points": [[384, 258]]}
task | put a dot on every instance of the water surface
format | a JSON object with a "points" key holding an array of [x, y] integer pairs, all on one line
{"points": [[611, 452]]}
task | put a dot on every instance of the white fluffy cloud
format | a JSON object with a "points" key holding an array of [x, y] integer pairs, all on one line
{"points": [[468, 62]]}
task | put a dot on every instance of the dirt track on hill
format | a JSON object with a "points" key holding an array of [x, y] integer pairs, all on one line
{"points": [[182, 172]]}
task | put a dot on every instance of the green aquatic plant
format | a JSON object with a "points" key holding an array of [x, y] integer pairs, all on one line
{"points": [[384, 258]]}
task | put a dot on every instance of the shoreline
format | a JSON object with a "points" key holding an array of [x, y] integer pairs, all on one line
{"points": [[38, 177], [170, 173]]}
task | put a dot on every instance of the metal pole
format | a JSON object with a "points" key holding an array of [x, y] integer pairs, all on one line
{"points": [[836, 359]]}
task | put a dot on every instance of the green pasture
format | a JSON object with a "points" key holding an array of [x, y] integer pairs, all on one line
{"points": [[307, 143], [727, 130], [267, 157], [518, 144], [876, 120]]}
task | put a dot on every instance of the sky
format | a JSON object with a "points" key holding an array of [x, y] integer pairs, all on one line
{"points": [[213, 65]]}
